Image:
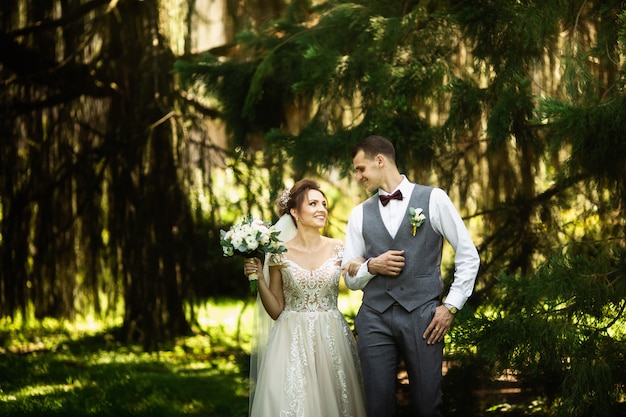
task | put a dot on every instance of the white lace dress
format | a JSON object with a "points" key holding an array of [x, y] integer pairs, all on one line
{"points": [[310, 367]]}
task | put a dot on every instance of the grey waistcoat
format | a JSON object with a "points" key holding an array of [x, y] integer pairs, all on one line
{"points": [[420, 280]]}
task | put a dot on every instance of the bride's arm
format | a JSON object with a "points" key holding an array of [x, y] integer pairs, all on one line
{"points": [[272, 295], [352, 266]]}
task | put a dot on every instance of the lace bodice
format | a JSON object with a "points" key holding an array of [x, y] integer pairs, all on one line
{"points": [[310, 290]]}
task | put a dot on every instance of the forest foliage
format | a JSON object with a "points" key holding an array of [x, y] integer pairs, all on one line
{"points": [[112, 173], [515, 109]]}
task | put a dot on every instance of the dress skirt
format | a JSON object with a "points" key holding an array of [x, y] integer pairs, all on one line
{"points": [[310, 368]]}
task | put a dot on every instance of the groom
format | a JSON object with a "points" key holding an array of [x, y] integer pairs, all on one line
{"points": [[402, 315]]}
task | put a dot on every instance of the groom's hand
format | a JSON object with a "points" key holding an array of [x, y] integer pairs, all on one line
{"points": [[389, 263], [439, 325]]}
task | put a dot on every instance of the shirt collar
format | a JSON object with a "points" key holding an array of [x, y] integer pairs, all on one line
{"points": [[405, 187]]}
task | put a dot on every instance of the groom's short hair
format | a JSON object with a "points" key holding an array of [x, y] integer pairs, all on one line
{"points": [[374, 145]]}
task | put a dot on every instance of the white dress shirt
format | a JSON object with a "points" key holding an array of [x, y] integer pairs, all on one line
{"points": [[444, 219]]}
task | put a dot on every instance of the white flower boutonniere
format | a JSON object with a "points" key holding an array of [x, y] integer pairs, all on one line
{"points": [[416, 217]]}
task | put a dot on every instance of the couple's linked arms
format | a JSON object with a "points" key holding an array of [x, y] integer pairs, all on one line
{"points": [[352, 266], [358, 271]]}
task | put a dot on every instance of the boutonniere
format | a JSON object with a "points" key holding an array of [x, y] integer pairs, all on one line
{"points": [[416, 217]]}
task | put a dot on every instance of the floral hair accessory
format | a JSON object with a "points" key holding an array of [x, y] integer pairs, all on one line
{"points": [[416, 217], [284, 198]]}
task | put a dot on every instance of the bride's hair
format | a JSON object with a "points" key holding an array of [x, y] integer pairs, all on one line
{"points": [[293, 198]]}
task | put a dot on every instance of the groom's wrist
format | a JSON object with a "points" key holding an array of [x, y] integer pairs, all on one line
{"points": [[452, 309]]}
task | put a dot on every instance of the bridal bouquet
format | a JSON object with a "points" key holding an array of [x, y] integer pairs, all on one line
{"points": [[251, 238]]}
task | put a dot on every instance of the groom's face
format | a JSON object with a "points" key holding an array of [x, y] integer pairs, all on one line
{"points": [[368, 171]]}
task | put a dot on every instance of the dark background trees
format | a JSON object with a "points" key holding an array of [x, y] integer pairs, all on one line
{"points": [[103, 160], [112, 171], [94, 207]]}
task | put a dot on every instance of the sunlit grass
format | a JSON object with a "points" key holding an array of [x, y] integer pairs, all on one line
{"points": [[53, 368], [60, 368]]}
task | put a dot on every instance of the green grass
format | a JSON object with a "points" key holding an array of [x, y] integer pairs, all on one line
{"points": [[57, 369], [52, 368]]}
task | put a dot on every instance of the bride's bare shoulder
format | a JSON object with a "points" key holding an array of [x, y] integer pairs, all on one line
{"points": [[332, 241]]}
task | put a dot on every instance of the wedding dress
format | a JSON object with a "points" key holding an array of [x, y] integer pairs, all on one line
{"points": [[310, 366]]}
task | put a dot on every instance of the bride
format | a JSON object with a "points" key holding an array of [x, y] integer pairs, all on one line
{"points": [[309, 367]]}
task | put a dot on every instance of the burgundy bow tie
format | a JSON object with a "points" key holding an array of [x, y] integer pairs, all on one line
{"points": [[384, 199]]}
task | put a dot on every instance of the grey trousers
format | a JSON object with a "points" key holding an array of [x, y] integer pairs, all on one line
{"points": [[384, 338]]}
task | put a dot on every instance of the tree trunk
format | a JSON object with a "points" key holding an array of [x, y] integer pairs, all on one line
{"points": [[147, 193]]}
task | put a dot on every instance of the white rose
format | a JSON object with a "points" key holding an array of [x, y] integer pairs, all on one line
{"points": [[237, 239], [264, 239], [251, 242]]}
